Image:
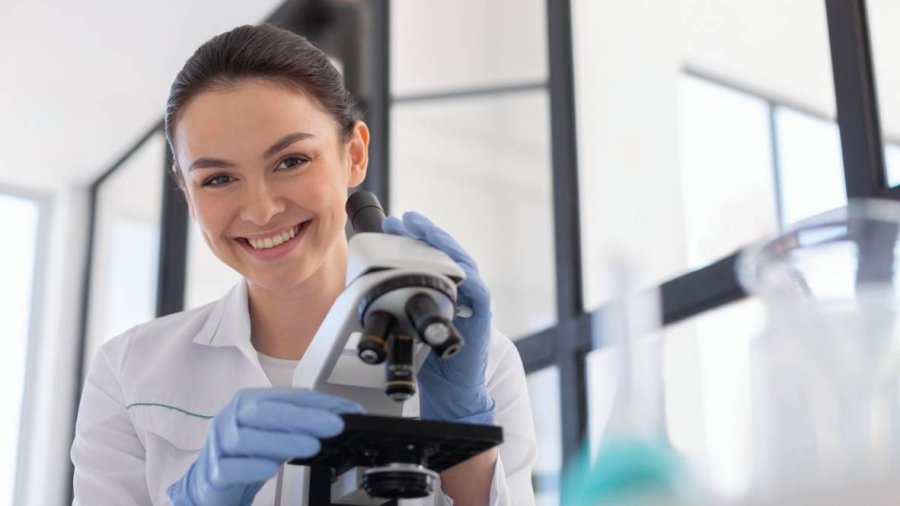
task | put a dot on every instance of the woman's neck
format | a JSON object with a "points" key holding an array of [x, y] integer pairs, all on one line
{"points": [[284, 323]]}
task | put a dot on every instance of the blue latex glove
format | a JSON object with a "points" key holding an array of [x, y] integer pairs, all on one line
{"points": [[453, 389], [249, 440]]}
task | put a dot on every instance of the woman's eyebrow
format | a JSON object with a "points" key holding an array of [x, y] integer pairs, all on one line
{"points": [[216, 163], [210, 163], [286, 141]]}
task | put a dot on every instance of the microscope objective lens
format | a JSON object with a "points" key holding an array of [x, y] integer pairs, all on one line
{"points": [[436, 333]]}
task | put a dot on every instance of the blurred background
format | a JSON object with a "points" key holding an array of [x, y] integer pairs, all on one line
{"points": [[546, 135]]}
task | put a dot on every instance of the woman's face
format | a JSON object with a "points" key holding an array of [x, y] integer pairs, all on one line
{"points": [[266, 174]]}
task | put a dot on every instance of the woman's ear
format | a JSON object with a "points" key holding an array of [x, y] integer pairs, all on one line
{"points": [[358, 154]]}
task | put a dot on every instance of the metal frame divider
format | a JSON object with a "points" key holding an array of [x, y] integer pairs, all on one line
{"points": [[172, 258], [377, 109], [857, 103], [570, 356]]}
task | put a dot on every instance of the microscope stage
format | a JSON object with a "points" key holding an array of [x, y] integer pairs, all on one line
{"points": [[370, 441]]}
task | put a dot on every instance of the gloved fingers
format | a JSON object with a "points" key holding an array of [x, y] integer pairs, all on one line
{"points": [[392, 225], [230, 471], [441, 371], [272, 445], [422, 228], [302, 397], [474, 293], [281, 417]]}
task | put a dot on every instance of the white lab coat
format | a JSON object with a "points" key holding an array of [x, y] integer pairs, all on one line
{"points": [[151, 392]]}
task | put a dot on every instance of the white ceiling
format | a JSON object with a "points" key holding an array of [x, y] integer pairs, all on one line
{"points": [[83, 80]]}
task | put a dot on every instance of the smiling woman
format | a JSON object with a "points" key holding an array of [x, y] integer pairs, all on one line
{"points": [[266, 145], [247, 182]]}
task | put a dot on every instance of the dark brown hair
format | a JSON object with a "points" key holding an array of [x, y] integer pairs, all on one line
{"points": [[264, 52]]}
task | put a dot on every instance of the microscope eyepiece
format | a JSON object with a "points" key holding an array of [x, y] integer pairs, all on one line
{"points": [[365, 212]]}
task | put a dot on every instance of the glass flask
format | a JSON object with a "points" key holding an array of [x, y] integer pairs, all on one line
{"points": [[635, 463], [824, 370]]}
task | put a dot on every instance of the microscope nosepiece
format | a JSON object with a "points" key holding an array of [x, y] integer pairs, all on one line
{"points": [[373, 342]]}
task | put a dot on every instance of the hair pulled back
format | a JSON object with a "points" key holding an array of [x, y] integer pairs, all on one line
{"points": [[263, 52]]}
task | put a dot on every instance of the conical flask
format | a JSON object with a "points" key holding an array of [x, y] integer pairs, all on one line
{"points": [[635, 463]]}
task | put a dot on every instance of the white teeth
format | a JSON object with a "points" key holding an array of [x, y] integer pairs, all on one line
{"points": [[271, 242]]}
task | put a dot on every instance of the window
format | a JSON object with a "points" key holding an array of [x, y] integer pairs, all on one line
{"points": [[892, 162], [208, 278], [543, 387], [21, 222], [725, 143], [470, 123], [883, 16], [445, 45], [809, 155], [488, 158], [126, 246], [674, 164]]}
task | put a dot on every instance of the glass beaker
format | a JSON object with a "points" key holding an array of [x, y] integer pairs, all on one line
{"points": [[825, 367]]}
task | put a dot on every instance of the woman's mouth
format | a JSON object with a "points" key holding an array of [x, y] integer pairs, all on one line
{"points": [[275, 242]]}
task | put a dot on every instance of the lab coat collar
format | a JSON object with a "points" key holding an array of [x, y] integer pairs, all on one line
{"points": [[228, 323]]}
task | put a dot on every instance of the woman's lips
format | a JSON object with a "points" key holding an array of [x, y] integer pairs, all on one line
{"points": [[267, 249]]}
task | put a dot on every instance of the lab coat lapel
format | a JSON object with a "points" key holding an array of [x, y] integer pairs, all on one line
{"points": [[229, 324]]}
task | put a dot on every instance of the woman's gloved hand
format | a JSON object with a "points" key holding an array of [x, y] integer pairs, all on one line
{"points": [[454, 389], [249, 440]]}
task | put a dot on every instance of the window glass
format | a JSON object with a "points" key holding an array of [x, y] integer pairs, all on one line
{"points": [[720, 367], [811, 165], [126, 246], [883, 17], [727, 173], [207, 277], [675, 173], [20, 224], [480, 168], [892, 162], [543, 387], [446, 45]]}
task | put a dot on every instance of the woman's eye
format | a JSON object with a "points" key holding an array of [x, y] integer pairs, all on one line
{"points": [[292, 162], [218, 180]]}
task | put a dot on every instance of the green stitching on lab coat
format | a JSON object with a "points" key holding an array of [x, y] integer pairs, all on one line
{"points": [[136, 404]]}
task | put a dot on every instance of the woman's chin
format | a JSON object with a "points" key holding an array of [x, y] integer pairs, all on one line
{"points": [[276, 284]]}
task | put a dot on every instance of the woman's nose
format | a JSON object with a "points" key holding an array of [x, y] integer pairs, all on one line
{"points": [[261, 204]]}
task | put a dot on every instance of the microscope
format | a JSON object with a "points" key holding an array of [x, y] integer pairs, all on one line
{"points": [[397, 308]]}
